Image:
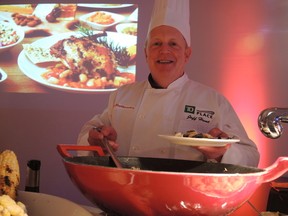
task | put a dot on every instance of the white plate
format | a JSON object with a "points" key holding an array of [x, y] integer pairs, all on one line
{"points": [[198, 141], [17, 29], [34, 72], [3, 75], [98, 26], [104, 5], [134, 16], [123, 26], [47, 205]]}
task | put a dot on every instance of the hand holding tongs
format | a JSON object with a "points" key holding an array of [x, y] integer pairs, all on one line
{"points": [[105, 145]]}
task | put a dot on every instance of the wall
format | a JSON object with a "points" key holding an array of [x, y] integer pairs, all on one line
{"points": [[33, 124], [239, 48]]}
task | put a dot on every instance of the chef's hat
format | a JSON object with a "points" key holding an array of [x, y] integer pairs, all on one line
{"points": [[173, 13]]}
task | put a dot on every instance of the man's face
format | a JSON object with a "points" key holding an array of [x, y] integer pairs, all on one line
{"points": [[166, 54]]}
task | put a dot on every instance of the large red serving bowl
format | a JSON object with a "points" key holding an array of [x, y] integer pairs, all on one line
{"points": [[153, 186]]}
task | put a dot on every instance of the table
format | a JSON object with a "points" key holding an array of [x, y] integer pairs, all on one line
{"points": [[278, 196], [93, 210]]}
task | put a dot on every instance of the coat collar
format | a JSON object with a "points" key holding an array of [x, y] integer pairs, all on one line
{"points": [[179, 82]]}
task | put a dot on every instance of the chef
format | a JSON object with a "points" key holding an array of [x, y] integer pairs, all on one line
{"points": [[168, 102]]}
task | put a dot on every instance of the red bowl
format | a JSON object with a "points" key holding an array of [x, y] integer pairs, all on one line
{"points": [[153, 186]]}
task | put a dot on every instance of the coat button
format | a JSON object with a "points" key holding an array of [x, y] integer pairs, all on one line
{"points": [[135, 148], [141, 116]]}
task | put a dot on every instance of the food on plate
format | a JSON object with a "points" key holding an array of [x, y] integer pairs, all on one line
{"points": [[88, 60], [53, 15], [195, 134], [9, 182], [17, 8], [127, 28], [61, 75], [9, 174], [123, 55], [26, 20], [10, 207], [38, 54], [8, 35], [84, 64], [132, 51], [101, 18], [83, 56], [38, 33], [131, 30], [73, 25]]}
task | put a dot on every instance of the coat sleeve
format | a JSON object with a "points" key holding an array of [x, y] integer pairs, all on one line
{"points": [[96, 121], [244, 153]]}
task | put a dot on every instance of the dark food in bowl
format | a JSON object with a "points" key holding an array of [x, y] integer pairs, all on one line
{"points": [[164, 165]]}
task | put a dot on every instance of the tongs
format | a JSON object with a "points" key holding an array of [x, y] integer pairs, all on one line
{"points": [[105, 145]]}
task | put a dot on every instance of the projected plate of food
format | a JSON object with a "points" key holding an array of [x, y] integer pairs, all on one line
{"points": [[105, 5], [99, 62]]}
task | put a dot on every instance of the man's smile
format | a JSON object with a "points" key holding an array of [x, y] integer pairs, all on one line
{"points": [[165, 61]]}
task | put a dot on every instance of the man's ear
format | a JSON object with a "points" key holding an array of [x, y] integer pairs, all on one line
{"points": [[145, 52], [188, 52]]}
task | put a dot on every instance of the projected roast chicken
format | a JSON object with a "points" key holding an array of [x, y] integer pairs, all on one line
{"points": [[85, 59]]}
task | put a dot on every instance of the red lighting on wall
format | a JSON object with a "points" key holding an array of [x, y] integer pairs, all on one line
{"points": [[243, 81], [244, 68]]}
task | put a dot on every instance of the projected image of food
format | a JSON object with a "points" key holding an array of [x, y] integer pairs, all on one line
{"points": [[91, 48], [80, 61]]}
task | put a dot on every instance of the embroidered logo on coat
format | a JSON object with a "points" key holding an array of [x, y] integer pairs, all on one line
{"points": [[200, 115], [189, 109], [204, 113]]}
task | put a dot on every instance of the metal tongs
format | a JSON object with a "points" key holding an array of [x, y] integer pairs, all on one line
{"points": [[105, 145]]}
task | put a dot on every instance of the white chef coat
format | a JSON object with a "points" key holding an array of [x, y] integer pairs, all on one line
{"points": [[139, 113]]}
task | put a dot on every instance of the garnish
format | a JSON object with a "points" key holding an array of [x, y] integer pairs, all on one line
{"points": [[87, 32], [121, 54]]}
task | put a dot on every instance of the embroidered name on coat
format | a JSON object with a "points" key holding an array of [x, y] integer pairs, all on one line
{"points": [[200, 115]]}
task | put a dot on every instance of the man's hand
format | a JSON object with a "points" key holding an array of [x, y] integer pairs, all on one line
{"points": [[96, 135], [215, 153]]}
